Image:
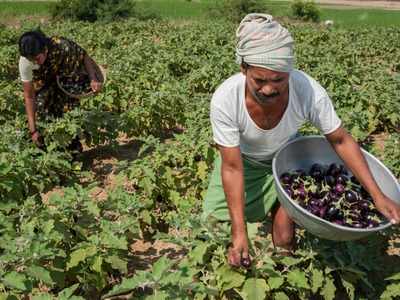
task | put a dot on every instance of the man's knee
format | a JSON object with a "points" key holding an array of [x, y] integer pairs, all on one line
{"points": [[283, 237], [282, 229]]}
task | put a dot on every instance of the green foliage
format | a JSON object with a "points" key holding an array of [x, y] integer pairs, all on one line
{"points": [[392, 291], [160, 77], [306, 10], [390, 155], [94, 10], [235, 10]]}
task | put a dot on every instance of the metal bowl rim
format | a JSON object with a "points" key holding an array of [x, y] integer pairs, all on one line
{"points": [[336, 226]]}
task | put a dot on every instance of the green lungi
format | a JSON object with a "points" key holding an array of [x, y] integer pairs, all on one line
{"points": [[260, 194]]}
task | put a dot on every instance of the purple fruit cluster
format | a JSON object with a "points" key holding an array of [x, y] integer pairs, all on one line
{"points": [[330, 193]]}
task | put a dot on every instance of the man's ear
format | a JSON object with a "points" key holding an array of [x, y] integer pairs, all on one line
{"points": [[244, 67]]}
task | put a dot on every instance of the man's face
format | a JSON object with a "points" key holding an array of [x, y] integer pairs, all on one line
{"points": [[266, 86]]}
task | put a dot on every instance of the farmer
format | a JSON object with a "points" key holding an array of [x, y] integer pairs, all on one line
{"points": [[42, 60], [253, 113]]}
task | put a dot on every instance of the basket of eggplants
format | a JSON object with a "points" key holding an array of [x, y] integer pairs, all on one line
{"points": [[322, 195]]}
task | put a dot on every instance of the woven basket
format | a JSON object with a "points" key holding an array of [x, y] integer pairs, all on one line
{"points": [[100, 73]]}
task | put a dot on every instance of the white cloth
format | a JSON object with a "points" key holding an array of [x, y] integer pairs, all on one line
{"points": [[26, 68], [232, 125], [263, 42]]}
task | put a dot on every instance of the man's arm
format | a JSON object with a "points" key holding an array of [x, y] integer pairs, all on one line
{"points": [[349, 151], [233, 184], [90, 67]]}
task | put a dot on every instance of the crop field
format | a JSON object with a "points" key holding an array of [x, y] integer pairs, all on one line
{"points": [[199, 10], [122, 220], [10, 9]]}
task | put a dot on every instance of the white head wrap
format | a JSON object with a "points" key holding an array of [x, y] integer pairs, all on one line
{"points": [[263, 42]]}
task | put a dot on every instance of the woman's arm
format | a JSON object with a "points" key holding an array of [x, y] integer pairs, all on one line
{"points": [[29, 98], [90, 66]]}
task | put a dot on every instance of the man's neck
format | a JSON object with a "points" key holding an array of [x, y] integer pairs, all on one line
{"points": [[266, 116]]}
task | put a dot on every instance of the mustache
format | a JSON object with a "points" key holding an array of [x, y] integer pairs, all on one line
{"points": [[263, 96]]}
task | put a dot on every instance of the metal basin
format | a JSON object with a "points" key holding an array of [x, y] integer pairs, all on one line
{"points": [[301, 153]]}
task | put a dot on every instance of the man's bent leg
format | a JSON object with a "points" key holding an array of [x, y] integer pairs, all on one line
{"points": [[282, 229]]}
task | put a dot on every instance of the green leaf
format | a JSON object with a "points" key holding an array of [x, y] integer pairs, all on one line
{"points": [[254, 289], [298, 279], [40, 273], [148, 185], [66, 293], [15, 280], [97, 264], [198, 296], [76, 298], [158, 296], [92, 208], [80, 255], [394, 277], [275, 282], [317, 280], [280, 296], [117, 263], [146, 217], [43, 297], [160, 267], [113, 241], [198, 253], [268, 262], [252, 230], [128, 284], [349, 288], [329, 289], [175, 198], [8, 297], [392, 291], [290, 261], [228, 278], [149, 173], [202, 170], [47, 227]]}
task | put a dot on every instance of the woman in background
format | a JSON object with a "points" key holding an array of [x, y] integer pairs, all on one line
{"points": [[42, 59]]}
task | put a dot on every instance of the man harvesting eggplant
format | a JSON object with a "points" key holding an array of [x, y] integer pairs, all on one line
{"points": [[255, 112], [42, 60]]}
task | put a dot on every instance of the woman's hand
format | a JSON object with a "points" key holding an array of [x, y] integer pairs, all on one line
{"points": [[238, 253], [96, 86], [37, 139], [388, 208]]}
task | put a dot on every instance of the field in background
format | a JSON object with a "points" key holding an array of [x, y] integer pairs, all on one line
{"points": [[23, 8], [361, 17], [183, 10]]}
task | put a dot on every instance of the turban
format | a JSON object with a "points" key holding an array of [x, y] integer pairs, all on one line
{"points": [[263, 42]]}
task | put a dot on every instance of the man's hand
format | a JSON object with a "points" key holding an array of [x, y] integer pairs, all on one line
{"points": [[96, 86], [238, 253], [388, 208], [38, 140], [350, 152]]}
